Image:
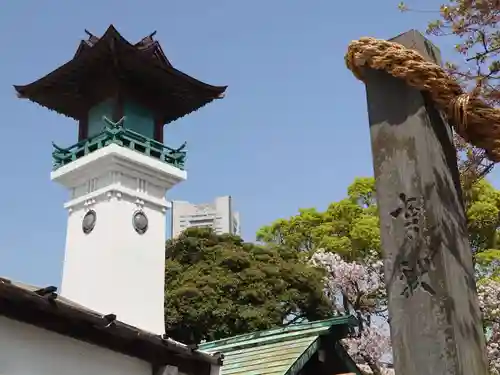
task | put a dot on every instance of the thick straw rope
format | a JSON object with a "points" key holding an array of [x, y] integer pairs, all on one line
{"points": [[473, 119]]}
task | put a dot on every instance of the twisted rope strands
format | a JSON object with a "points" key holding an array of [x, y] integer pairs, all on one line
{"points": [[473, 119]]}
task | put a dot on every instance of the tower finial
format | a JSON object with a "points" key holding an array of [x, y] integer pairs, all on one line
{"points": [[147, 40], [92, 38]]}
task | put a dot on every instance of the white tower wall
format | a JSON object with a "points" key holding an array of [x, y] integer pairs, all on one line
{"points": [[114, 269]]}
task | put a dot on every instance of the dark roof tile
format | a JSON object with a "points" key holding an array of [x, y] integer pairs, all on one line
{"points": [[102, 66], [28, 304]]}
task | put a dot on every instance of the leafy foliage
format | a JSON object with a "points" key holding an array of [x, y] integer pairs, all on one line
{"points": [[349, 227], [358, 287], [354, 281], [218, 286], [483, 213], [362, 286]]}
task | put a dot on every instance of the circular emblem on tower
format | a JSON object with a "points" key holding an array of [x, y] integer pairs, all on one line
{"points": [[88, 222], [140, 222]]}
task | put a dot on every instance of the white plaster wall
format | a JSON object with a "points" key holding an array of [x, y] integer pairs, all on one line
{"points": [[28, 350], [114, 269]]}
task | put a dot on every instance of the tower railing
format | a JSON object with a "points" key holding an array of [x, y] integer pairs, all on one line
{"points": [[116, 133]]}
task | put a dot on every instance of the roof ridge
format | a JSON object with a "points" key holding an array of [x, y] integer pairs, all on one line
{"points": [[234, 340]]}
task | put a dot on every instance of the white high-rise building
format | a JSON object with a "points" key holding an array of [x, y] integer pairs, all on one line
{"points": [[218, 215]]}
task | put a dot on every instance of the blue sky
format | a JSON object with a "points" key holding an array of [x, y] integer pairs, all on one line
{"points": [[292, 131]]}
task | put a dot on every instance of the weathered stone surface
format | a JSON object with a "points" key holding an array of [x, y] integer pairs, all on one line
{"points": [[433, 309]]}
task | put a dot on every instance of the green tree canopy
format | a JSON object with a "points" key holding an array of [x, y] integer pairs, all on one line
{"points": [[219, 286], [350, 227], [483, 213]]}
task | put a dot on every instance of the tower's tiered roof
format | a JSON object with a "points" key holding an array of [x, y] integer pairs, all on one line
{"points": [[110, 65]]}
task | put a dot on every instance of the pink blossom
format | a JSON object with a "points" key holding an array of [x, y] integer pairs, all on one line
{"points": [[488, 291], [350, 279], [489, 302], [371, 345], [354, 280], [493, 349]]}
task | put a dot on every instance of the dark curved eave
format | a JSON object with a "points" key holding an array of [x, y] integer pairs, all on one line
{"points": [[59, 81], [58, 76], [152, 50], [168, 119], [83, 46], [161, 55], [155, 51], [113, 47], [171, 103], [216, 91]]}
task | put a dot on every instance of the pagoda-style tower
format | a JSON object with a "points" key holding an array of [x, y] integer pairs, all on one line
{"points": [[118, 173]]}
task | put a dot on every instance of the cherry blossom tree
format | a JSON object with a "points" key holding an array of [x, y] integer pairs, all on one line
{"points": [[489, 302], [493, 349], [348, 236], [358, 288]]}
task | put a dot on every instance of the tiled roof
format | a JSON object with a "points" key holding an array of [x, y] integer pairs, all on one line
{"points": [[44, 308], [142, 69], [280, 351]]}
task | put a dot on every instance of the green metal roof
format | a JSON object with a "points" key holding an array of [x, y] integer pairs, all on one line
{"points": [[279, 351]]}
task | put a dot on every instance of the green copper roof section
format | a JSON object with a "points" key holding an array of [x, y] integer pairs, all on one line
{"points": [[279, 351]]}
